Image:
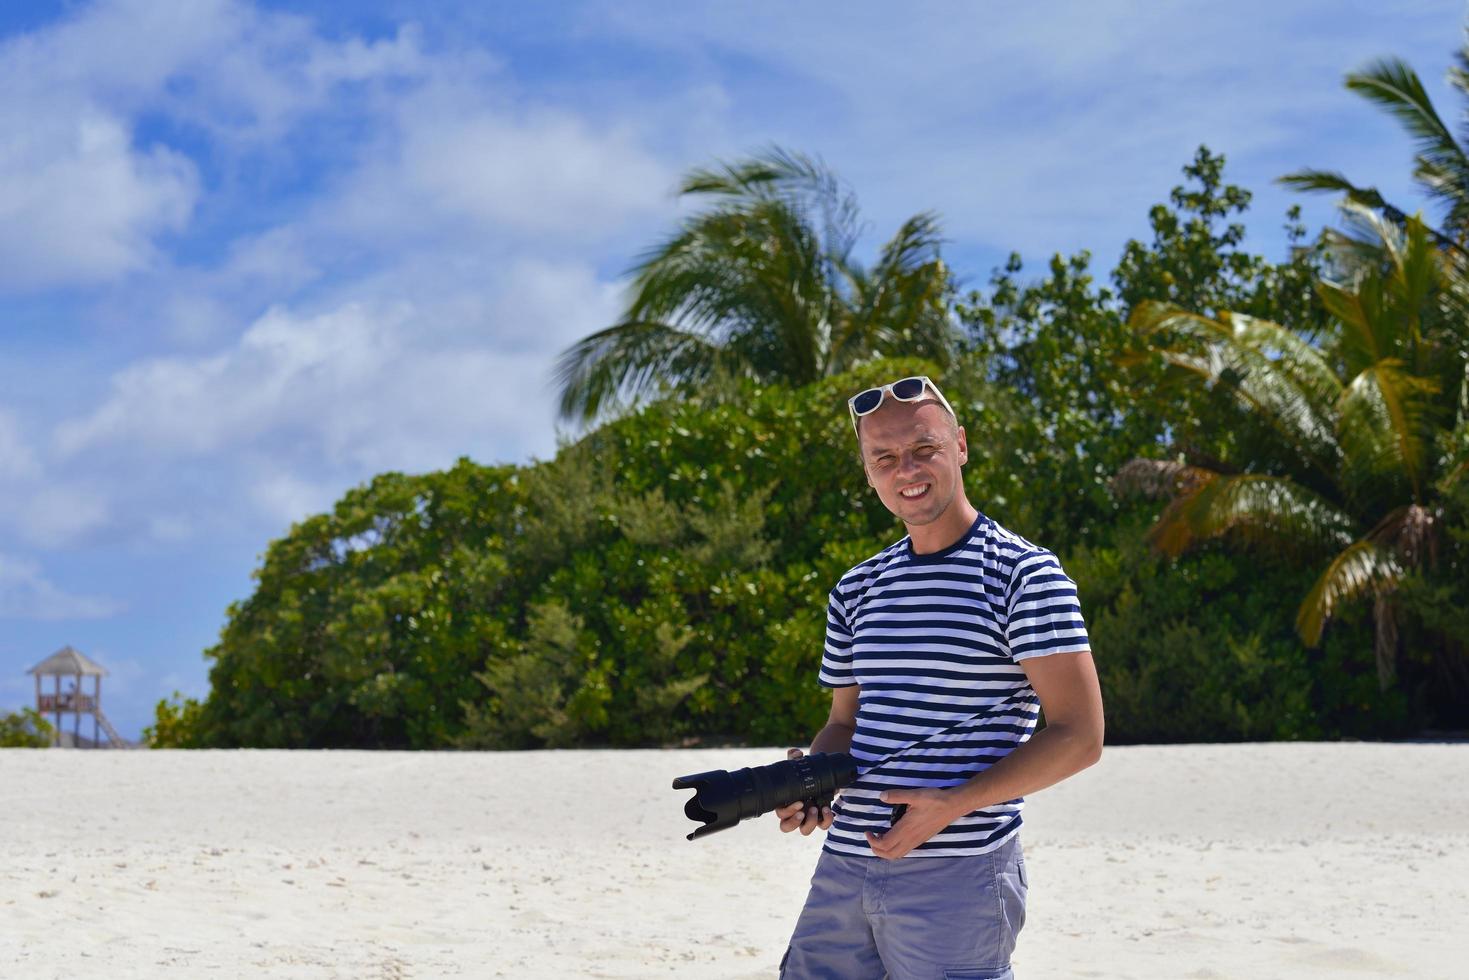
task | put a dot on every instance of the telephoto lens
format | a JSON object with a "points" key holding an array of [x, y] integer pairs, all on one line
{"points": [[722, 799]]}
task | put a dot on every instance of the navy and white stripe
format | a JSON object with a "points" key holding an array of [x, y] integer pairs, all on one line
{"points": [[935, 641]]}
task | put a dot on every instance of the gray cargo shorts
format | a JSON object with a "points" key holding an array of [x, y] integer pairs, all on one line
{"points": [[916, 918]]}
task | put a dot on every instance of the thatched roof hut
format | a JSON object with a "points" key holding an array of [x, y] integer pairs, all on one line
{"points": [[71, 662], [68, 662]]}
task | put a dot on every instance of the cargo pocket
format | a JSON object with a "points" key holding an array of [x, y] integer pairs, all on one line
{"points": [[1011, 883]]}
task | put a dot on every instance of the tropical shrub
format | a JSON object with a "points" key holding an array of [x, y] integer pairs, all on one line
{"points": [[24, 729], [663, 579]]}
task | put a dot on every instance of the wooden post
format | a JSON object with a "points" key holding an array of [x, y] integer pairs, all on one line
{"points": [[76, 716], [57, 707], [96, 707]]}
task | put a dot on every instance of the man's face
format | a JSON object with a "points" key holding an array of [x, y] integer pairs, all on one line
{"points": [[912, 453]]}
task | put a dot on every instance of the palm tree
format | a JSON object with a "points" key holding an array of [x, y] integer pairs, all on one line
{"points": [[1356, 422], [762, 285], [1441, 163]]}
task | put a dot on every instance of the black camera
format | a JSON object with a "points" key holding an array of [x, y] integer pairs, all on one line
{"points": [[722, 799]]}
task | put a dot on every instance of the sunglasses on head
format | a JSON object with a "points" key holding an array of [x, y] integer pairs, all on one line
{"points": [[903, 390]]}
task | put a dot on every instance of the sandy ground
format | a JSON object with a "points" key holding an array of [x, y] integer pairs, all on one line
{"points": [[1291, 860]]}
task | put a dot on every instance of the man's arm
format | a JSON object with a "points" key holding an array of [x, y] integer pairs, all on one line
{"points": [[841, 721], [1066, 684], [835, 736]]}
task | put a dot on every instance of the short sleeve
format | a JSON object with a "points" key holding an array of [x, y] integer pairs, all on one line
{"points": [[1044, 612], [836, 657]]}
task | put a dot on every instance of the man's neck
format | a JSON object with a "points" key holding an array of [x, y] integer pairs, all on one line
{"points": [[952, 524]]}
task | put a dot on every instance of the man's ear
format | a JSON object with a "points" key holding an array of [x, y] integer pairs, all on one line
{"points": [[963, 446]]}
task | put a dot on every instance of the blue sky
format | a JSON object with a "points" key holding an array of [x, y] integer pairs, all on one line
{"points": [[252, 254]]}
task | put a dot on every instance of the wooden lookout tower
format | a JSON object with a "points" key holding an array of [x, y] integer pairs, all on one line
{"points": [[70, 663]]}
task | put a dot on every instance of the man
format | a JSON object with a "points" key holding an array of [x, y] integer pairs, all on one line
{"points": [[940, 651]]}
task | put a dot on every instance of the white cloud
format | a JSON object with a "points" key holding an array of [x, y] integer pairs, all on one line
{"points": [[81, 200], [284, 371], [77, 202], [42, 508], [53, 513], [547, 173], [25, 593], [402, 314], [1047, 127], [275, 71], [303, 405], [456, 164]]}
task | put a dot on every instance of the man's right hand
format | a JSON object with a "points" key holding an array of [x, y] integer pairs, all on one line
{"points": [[798, 815]]}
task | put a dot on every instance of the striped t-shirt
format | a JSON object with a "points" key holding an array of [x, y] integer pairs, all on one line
{"points": [[935, 642]]}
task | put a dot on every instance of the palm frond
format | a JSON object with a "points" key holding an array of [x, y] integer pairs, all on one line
{"points": [[1417, 272], [631, 360], [1384, 418], [763, 285], [1368, 334], [754, 277], [900, 305], [1394, 85], [776, 170], [1444, 184], [805, 185], [1368, 200], [1362, 567], [1268, 368], [1331, 181], [1269, 510]]}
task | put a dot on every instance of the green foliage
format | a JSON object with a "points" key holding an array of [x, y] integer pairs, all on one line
{"points": [[1053, 352], [659, 581], [367, 623], [24, 729], [544, 690], [663, 580], [1238, 673], [1436, 596], [176, 724], [1344, 471]]}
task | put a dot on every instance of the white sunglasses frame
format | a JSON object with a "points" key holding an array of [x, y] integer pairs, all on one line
{"points": [[886, 391]]}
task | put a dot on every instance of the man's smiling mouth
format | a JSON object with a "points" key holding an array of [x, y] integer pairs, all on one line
{"points": [[911, 492]]}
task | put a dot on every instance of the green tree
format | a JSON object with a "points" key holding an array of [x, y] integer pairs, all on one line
{"points": [[367, 623], [763, 285], [1054, 343], [662, 580], [1353, 426], [24, 729], [175, 724]]}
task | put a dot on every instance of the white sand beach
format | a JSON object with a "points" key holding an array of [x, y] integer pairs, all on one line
{"points": [[1285, 860]]}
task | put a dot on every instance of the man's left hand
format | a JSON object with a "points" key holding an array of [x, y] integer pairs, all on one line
{"points": [[929, 811]]}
